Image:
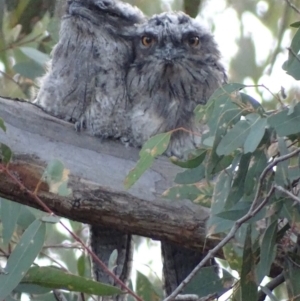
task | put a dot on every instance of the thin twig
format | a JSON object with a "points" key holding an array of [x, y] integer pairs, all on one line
{"points": [[292, 196], [274, 95], [271, 286], [220, 245], [254, 209], [293, 6], [4, 168], [294, 54], [17, 44], [283, 21], [75, 245], [11, 79]]}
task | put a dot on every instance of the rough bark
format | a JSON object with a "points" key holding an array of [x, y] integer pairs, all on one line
{"points": [[97, 171]]}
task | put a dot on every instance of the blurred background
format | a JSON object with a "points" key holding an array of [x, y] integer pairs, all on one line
{"points": [[253, 37]]}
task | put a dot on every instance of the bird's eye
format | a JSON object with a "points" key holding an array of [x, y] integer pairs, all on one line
{"points": [[147, 41], [193, 41], [114, 15]]}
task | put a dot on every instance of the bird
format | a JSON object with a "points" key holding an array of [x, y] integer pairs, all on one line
{"points": [[86, 80], [86, 85], [176, 66]]}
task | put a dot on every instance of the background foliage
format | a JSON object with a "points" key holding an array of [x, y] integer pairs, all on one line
{"points": [[248, 160]]}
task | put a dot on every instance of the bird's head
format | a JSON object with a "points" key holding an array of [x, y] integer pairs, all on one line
{"points": [[172, 39], [107, 13]]}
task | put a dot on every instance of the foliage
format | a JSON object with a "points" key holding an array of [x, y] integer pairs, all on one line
{"points": [[246, 170], [250, 158]]}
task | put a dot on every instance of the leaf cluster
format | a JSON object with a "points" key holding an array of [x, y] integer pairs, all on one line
{"points": [[247, 172]]}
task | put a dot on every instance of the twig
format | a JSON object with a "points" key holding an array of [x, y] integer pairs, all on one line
{"points": [[11, 79], [58, 295], [254, 209], [283, 21], [271, 286], [293, 6], [292, 196], [274, 95], [222, 243], [294, 54], [64, 246], [4, 168], [17, 44], [188, 297]]}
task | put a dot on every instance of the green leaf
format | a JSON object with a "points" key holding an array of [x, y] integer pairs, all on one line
{"points": [[145, 289], [292, 65], [56, 278], [191, 163], [56, 176], [248, 281], [292, 276], [32, 289], [267, 251], [36, 55], [225, 114], [208, 282], [199, 193], [256, 134], [9, 216], [26, 217], [63, 189], [191, 176], [112, 261], [2, 125], [237, 187], [181, 192], [29, 69], [205, 113], [53, 171], [284, 123], [239, 210], [22, 257], [81, 265], [258, 164], [5, 153], [233, 255], [282, 173], [234, 139], [53, 219], [221, 191], [154, 147], [295, 24]]}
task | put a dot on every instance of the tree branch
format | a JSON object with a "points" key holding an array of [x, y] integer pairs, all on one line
{"points": [[97, 170]]}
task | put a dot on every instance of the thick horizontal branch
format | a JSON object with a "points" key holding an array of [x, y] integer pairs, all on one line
{"points": [[97, 171]]}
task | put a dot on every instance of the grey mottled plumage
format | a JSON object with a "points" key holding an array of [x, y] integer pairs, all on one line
{"points": [[86, 81], [86, 85], [176, 66]]}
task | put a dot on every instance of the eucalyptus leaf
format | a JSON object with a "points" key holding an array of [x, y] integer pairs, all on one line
{"points": [[248, 277], [22, 257], [56, 278], [154, 147], [9, 216]]}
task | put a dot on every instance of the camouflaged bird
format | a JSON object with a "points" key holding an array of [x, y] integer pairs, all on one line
{"points": [[85, 84], [176, 67]]}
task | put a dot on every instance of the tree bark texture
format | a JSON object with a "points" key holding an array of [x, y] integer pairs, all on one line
{"points": [[97, 171]]}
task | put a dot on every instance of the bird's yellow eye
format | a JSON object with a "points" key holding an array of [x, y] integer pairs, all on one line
{"points": [[147, 41], [193, 41]]}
